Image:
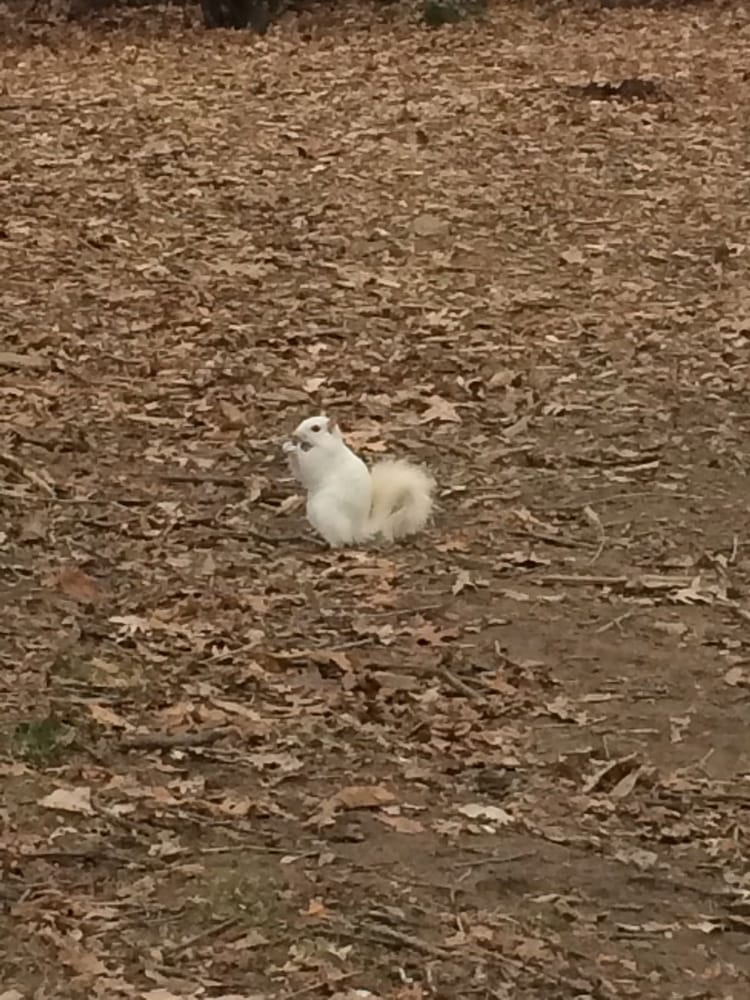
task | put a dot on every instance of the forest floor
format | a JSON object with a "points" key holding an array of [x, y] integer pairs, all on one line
{"points": [[508, 759]]}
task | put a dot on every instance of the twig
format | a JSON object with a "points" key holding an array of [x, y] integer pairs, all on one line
{"points": [[22, 470], [596, 522], [201, 477], [280, 539], [203, 935], [550, 539], [664, 494], [444, 673], [492, 859], [401, 937], [583, 581], [228, 654], [259, 848], [403, 880], [9, 359], [456, 683], [88, 854], [169, 741], [614, 623], [417, 609], [320, 984], [674, 883]]}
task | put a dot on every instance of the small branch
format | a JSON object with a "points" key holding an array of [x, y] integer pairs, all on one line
{"points": [[258, 848], [319, 984], [583, 581], [170, 741], [33, 477], [614, 623], [443, 672], [456, 683], [204, 935], [417, 609], [409, 940], [9, 359], [281, 539], [550, 539], [493, 859], [201, 477], [88, 854]]}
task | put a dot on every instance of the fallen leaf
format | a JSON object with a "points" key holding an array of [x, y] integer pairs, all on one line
{"points": [[236, 805], [429, 225], [626, 784], [670, 628], [75, 800], [734, 676], [401, 824], [83, 963], [106, 717], [232, 414], [75, 583], [706, 926], [352, 797], [33, 529], [463, 580], [440, 410], [573, 256], [162, 994], [363, 797], [561, 708], [611, 774], [677, 726], [253, 939], [312, 385], [317, 908], [9, 359], [639, 857], [493, 813]]}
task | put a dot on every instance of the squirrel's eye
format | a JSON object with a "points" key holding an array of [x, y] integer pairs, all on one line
{"points": [[316, 428]]}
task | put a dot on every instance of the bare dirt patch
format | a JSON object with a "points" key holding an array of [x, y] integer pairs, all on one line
{"points": [[509, 760]]}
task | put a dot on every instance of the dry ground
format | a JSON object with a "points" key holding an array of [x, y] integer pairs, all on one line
{"points": [[508, 760]]}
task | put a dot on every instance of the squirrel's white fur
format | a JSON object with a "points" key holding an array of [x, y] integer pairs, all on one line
{"points": [[346, 502]]}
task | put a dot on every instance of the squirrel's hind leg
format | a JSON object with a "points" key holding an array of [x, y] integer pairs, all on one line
{"points": [[332, 522]]}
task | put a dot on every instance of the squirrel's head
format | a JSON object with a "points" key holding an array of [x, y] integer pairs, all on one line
{"points": [[312, 442], [317, 432]]}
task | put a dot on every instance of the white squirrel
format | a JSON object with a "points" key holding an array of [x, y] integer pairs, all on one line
{"points": [[346, 502]]}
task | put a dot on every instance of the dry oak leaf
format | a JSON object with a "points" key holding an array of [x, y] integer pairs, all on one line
{"points": [[162, 994], [429, 225], [83, 962], [75, 800], [106, 717], [611, 774], [440, 409], [232, 414], [402, 824], [317, 908], [9, 359], [573, 256], [733, 677], [352, 797], [33, 529], [74, 583]]}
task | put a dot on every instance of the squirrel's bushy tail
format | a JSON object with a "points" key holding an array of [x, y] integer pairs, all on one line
{"points": [[401, 499]]}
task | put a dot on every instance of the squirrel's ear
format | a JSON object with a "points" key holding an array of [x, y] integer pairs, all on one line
{"points": [[332, 425]]}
